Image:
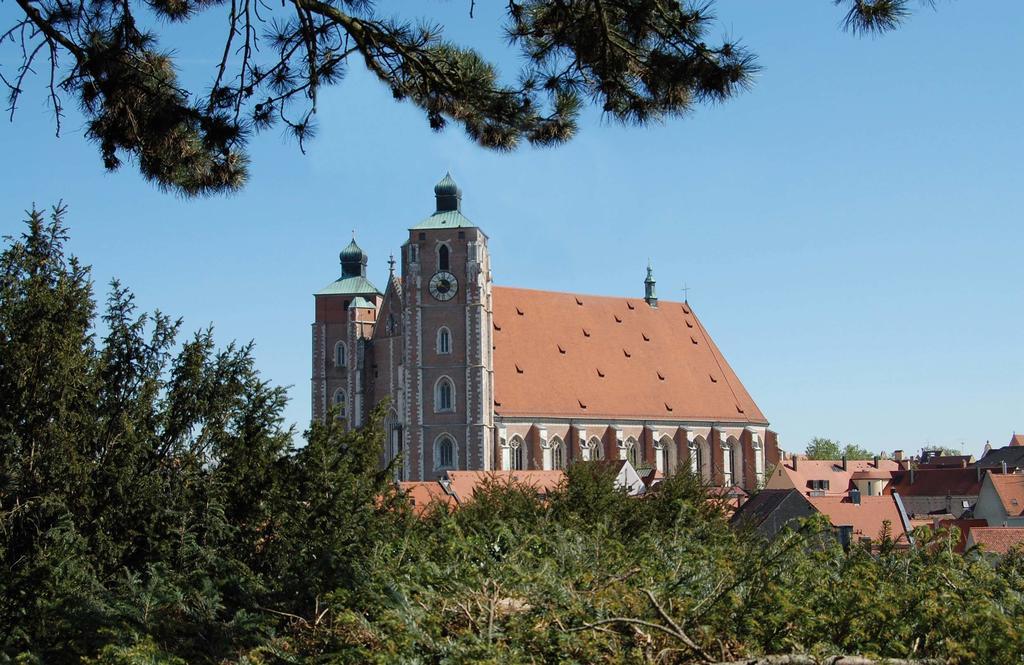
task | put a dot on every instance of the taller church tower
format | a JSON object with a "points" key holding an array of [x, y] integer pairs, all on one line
{"points": [[447, 323]]}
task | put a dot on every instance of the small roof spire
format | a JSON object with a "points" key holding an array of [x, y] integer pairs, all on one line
{"points": [[649, 295], [391, 264]]}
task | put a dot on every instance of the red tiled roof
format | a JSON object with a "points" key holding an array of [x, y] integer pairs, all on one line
{"points": [[995, 539], [1010, 488], [464, 483], [1017, 440], [424, 494], [936, 482], [569, 355], [866, 518], [830, 470]]}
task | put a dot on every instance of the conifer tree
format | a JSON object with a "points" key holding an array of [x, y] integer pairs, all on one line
{"points": [[637, 61]]}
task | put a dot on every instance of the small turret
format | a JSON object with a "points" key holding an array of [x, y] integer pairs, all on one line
{"points": [[649, 295]]}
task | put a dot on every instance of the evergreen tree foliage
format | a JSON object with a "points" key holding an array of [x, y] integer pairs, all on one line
{"points": [[154, 509], [636, 60]]}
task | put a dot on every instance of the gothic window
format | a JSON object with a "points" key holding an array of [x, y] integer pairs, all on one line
{"points": [[442, 257], [340, 354], [758, 460], [594, 449], [413, 253], [662, 448], [557, 454], [727, 462], [445, 452], [340, 402], [444, 395], [632, 452], [695, 460], [516, 453], [444, 340]]}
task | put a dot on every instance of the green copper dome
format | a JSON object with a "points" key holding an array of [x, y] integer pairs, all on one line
{"points": [[448, 194], [353, 260]]}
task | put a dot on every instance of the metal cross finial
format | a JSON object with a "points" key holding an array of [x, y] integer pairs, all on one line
{"points": [[686, 293], [353, 235], [391, 264]]}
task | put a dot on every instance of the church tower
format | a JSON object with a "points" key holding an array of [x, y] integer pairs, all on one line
{"points": [[346, 311], [447, 319]]}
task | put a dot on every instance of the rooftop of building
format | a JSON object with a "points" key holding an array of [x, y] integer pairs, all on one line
{"points": [[1010, 489], [867, 517], [569, 355], [937, 482], [805, 475], [995, 539]]}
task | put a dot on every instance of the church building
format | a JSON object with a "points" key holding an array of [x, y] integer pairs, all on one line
{"points": [[485, 377]]}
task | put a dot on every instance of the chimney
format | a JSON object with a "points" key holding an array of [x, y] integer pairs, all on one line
{"points": [[844, 462], [1004, 466], [794, 461], [876, 461], [897, 455]]}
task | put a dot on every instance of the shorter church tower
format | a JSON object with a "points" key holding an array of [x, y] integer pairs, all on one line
{"points": [[346, 311]]}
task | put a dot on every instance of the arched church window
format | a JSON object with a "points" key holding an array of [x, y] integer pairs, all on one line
{"points": [[445, 448], [442, 257], [695, 460], [444, 340], [340, 402], [340, 354], [632, 452], [557, 454], [594, 449], [444, 395], [727, 464], [758, 460], [516, 453]]}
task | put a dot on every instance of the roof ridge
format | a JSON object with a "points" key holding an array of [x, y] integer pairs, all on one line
{"points": [[578, 294]]}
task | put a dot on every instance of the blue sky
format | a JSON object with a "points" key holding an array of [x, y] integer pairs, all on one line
{"points": [[850, 229]]}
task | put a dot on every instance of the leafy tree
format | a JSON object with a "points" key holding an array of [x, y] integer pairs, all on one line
{"points": [[854, 452], [822, 449], [636, 60]]}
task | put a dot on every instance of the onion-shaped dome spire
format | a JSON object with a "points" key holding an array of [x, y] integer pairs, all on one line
{"points": [[353, 260], [448, 194]]}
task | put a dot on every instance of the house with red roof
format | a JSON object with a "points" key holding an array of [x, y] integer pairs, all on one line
{"points": [[995, 540], [481, 377], [937, 491], [1001, 500], [833, 477], [854, 517]]}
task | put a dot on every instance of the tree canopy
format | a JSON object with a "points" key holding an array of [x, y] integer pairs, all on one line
{"points": [[637, 61], [154, 510], [820, 448]]}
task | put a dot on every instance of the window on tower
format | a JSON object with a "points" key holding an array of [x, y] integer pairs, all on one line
{"points": [[340, 402], [445, 451], [340, 359], [444, 340], [442, 257], [444, 395]]}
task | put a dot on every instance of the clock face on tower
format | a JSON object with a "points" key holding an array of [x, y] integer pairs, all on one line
{"points": [[443, 286]]}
